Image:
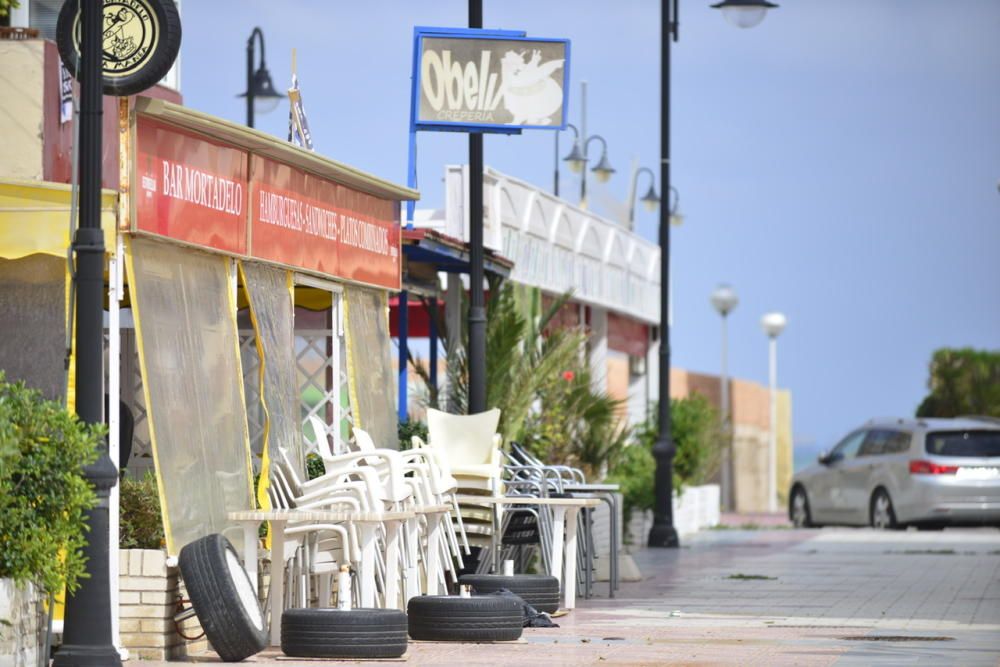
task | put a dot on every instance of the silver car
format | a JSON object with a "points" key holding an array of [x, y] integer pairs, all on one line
{"points": [[892, 473]]}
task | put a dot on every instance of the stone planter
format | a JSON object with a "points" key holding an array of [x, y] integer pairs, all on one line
{"points": [[23, 624], [147, 602]]}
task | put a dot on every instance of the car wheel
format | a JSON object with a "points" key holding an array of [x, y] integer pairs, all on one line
{"points": [[798, 509], [883, 517], [484, 618], [930, 526], [223, 598], [343, 633], [541, 591]]}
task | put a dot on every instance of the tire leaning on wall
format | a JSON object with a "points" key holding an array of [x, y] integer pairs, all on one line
{"points": [[223, 598]]}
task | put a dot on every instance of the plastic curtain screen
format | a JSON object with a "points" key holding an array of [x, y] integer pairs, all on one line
{"points": [[33, 323], [185, 318], [271, 309], [373, 389]]}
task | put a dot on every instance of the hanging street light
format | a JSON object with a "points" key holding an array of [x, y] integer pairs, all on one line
{"points": [[260, 93]]}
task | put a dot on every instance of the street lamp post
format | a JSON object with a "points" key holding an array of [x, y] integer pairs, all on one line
{"points": [[663, 533], [773, 324], [725, 300], [87, 636], [260, 93], [578, 158], [650, 200]]}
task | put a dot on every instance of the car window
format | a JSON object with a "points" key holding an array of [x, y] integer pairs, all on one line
{"points": [[898, 443], [848, 447], [884, 441], [964, 443], [874, 443]]}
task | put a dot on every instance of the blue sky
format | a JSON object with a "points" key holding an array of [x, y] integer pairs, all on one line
{"points": [[838, 163]]}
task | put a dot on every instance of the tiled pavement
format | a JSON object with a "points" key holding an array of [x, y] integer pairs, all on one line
{"points": [[802, 595]]}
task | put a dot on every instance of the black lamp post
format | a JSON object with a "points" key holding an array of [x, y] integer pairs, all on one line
{"points": [[744, 14], [261, 95], [477, 298], [87, 637]]}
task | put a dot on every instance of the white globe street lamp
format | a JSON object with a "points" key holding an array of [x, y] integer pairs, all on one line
{"points": [[744, 13], [773, 324]]}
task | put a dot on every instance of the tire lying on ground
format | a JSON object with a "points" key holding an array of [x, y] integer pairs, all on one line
{"points": [[541, 591], [343, 633], [490, 618], [223, 598]]}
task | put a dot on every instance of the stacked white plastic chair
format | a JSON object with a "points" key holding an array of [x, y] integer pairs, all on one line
{"points": [[468, 448]]}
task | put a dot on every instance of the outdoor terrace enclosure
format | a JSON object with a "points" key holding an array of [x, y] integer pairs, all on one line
{"points": [[225, 234]]}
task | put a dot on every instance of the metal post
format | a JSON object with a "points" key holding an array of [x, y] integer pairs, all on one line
{"points": [[250, 90], [87, 637], [403, 335], [555, 180], [477, 301], [663, 533], [772, 445], [583, 141], [727, 471], [433, 360]]}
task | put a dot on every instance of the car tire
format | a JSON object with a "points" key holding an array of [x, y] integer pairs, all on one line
{"points": [[541, 591], [484, 618], [151, 68], [798, 509], [881, 514], [923, 527], [223, 598], [343, 633]]}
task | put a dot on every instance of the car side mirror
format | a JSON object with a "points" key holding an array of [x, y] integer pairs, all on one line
{"points": [[829, 458]]}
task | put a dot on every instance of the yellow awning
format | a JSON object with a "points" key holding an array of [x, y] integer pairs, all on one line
{"points": [[34, 218]]}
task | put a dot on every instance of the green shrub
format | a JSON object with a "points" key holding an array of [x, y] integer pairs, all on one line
{"points": [[314, 467], [574, 425], [410, 428], [634, 474], [698, 440], [43, 495], [141, 524]]}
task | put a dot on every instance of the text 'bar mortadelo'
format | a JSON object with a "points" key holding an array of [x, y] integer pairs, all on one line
{"points": [[202, 192]]}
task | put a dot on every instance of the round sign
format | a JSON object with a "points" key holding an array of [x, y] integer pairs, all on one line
{"points": [[140, 41]]}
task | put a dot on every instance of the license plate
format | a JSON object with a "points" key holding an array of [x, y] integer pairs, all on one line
{"points": [[978, 473]]}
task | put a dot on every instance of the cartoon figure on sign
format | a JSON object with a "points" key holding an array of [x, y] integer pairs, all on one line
{"points": [[529, 92], [117, 42]]}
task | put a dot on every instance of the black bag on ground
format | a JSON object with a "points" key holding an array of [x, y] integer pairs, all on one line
{"points": [[532, 617]]}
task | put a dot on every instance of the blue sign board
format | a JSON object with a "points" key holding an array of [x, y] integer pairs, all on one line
{"points": [[467, 80]]}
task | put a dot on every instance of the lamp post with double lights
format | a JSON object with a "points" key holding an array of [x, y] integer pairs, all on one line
{"points": [[578, 158], [743, 13], [260, 93], [773, 324]]}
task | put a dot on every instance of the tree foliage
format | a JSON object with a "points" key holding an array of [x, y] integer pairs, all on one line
{"points": [[141, 524], [43, 495], [962, 382], [520, 359], [7, 5]]}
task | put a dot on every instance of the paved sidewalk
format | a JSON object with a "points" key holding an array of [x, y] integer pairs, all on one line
{"points": [[773, 597]]}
